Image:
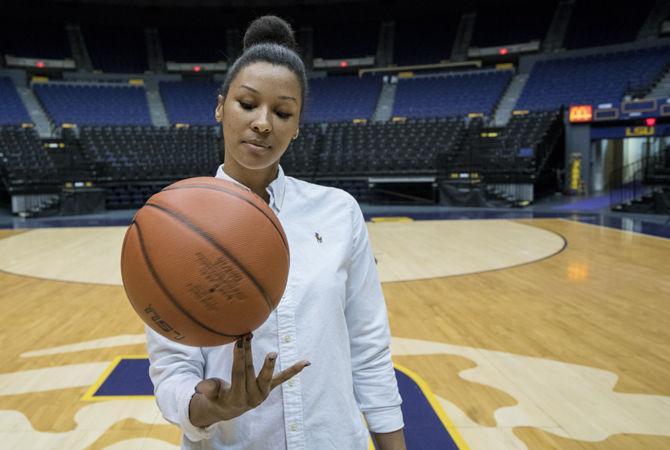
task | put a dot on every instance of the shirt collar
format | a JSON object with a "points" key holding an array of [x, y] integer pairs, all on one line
{"points": [[276, 189]]}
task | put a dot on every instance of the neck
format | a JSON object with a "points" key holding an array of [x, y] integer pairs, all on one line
{"points": [[256, 180]]}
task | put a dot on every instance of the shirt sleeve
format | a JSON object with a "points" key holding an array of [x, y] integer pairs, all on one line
{"points": [[175, 370], [375, 385]]}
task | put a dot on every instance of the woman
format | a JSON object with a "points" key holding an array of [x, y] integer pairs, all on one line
{"points": [[332, 311]]}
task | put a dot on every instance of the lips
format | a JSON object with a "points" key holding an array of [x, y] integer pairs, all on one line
{"points": [[258, 144]]}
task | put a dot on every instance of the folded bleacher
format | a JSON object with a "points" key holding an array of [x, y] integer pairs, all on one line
{"points": [[120, 50], [591, 79], [191, 102], [193, 44], [602, 22], [35, 40], [12, 109], [335, 99], [452, 95], [411, 37], [350, 40], [94, 104], [507, 23]]}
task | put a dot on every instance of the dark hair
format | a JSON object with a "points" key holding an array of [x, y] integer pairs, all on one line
{"points": [[270, 39]]}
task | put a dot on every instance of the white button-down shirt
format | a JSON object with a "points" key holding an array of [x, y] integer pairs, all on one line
{"points": [[332, 314]]}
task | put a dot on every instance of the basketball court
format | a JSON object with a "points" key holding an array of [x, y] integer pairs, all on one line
{"points": [[508, 333]]}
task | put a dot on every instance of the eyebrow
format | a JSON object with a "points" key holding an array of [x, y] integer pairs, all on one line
{"points": [[281, 97]]}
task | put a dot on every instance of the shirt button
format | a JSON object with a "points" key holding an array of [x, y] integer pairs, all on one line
{"points": [[287, 338], [294, 427]]}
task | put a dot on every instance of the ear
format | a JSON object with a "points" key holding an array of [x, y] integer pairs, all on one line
{"points": [[218, 112], [297, 132]]}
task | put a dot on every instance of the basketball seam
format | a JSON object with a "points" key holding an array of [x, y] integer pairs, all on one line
{"points": [[165, 290], [235, 194], [218, 246]]}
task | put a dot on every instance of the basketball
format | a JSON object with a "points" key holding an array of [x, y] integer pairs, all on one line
{"points": [[204, 261]]}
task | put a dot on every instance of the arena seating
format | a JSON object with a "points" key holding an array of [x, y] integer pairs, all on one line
{"points": [[24, 163], [94, 104], [12, 109], [138, 153], [121, 50], [518, 152], [337, 41], [35, 41], [451, 95], [424, 42], [334, 99], [593, 79], [193, 44], [387, 148], [599, 22], [301, 157], [191, 102], [507, 23]]}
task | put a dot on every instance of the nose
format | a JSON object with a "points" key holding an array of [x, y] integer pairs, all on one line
{"points": [[261, 122]]}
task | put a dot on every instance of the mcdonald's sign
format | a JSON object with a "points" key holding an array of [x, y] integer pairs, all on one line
{"points": [[581, 113]]}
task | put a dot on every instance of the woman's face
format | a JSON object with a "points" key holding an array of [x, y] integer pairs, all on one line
{"points": [[260, 116]]}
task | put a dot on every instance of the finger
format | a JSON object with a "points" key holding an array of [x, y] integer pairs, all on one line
{"points": [[264, 380], [289, 373], [250, 372], [209, 388], [238, 382]]}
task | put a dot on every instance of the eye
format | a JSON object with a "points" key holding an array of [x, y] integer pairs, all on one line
{"points": [[283, 115], [244, 105]]}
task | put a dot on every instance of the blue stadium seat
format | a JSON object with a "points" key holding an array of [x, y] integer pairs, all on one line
{"points": [[94, 104], [593, 79], [342, 98], [12, 109], [191, 102], [452, 95]]}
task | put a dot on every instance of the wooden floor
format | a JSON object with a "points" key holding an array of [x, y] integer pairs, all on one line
{"points": [[533, 334]]}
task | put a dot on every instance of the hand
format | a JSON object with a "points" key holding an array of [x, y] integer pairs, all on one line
{"points": [[217, 400]]}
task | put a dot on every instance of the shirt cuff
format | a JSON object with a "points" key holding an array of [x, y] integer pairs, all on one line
{"points": [[191, 432], [384, 420]]}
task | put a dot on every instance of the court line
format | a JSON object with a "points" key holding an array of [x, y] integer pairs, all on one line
{"points": [[514, 266], [565, 245]]}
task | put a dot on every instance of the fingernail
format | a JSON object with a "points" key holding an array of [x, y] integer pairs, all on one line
{"points": [[239, 344], [272, 356], [308, 364]]}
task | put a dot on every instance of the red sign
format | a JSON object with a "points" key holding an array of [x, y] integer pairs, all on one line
{"points": [[581, 113], [650, 121]]}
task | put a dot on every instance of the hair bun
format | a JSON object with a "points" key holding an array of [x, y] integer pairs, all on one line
{"points": [[270, 30]]}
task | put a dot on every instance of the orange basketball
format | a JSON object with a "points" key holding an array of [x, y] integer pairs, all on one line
{"points": [[204, 261]]}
